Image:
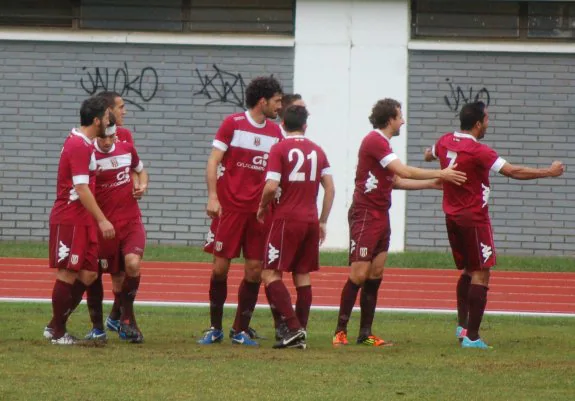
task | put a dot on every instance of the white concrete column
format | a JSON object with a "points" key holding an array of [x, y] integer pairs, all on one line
{"points": [[349, 54]]}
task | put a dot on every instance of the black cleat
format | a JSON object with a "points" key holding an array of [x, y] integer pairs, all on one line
{"points": [[291, 339]]}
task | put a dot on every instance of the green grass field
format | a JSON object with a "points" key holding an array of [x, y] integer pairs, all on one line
{"points": [[420, 260], [532, 359]]}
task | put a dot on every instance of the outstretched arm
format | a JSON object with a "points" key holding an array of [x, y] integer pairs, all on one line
{"points": [[408, 184], [447, 174], [517, 172]]}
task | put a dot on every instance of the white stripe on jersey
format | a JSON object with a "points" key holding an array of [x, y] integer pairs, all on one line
{"points": [[498, 164], [139, 167], [388, 159], [273, 175], [115, 162], [249, 140]]}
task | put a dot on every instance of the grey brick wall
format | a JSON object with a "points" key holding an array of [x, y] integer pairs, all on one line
{"points": [[532, 122], [43, 84]]}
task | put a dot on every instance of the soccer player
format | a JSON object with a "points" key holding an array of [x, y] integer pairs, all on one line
{"points": [[235, 175], [287, 100], [297, 166], [121, 256], [118, 109], [95, 293], [467, 215], [75, 219], [378, 172]]}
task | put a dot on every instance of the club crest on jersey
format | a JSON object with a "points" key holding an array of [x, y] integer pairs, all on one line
{"points": [[114, 162], [257, 141], [363, 252], [74, 259]]}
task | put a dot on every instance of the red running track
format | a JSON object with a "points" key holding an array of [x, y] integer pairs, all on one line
{"points": [[427, 289]]}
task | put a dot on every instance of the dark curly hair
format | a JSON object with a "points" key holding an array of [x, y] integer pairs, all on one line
{"points": [[110, 97], [262, 87], [383, 111]]}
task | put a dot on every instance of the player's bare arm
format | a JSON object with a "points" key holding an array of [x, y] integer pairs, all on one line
{"points": [[267, 196], [89, 202], [449, 174], [141, 186], [409, 185], [328, 197], [516, 172], [213, 208]]}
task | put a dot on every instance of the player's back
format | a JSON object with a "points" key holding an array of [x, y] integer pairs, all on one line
{"points": [[113, 182], [468, 203], [302, 164]]}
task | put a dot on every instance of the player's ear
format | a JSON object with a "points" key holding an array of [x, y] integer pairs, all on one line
{"points": [[304, 128]]}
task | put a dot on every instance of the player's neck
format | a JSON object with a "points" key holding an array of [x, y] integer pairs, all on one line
{"points": [[387, 132], [257, 116], [473, 134], [89, 132], [294, 133]]}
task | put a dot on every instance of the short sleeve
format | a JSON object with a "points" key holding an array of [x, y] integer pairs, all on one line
{"points": [[489, 159], [380, 150], [137, 164], [80, 158], [325, 167], [225, 134], [274, 164]]}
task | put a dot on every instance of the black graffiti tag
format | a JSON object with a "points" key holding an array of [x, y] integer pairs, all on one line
{"points": [[460, 97], [222, 87], [142, 88]]}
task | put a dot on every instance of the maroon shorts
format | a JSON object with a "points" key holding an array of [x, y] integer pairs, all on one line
{"points": [[292, 246], [130, 239], [472, 246], [369, 234], [73, 247], [235, 232]]}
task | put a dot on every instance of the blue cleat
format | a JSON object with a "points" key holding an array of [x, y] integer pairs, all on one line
{"points": [[211, 336], [96, 335], [112, 325], [243, 338], [460, 332], [479, 343]]}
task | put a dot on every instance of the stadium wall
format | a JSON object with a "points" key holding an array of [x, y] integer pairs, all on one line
{"points": [[349, 54], [177, 94], [531, 122]]}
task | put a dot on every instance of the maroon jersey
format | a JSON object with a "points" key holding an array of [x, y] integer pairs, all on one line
{"points": [[114, 183], [124, 135], [241, 175], [373, 181], [467, 203], [298, 164], [77, 166]]}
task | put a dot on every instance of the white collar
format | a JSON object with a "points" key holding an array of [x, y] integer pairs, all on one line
{"points": [[284, 133], [81, 135], [463, 135], [253, 122], [101, 151], [295, 136], [382, 134]]}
